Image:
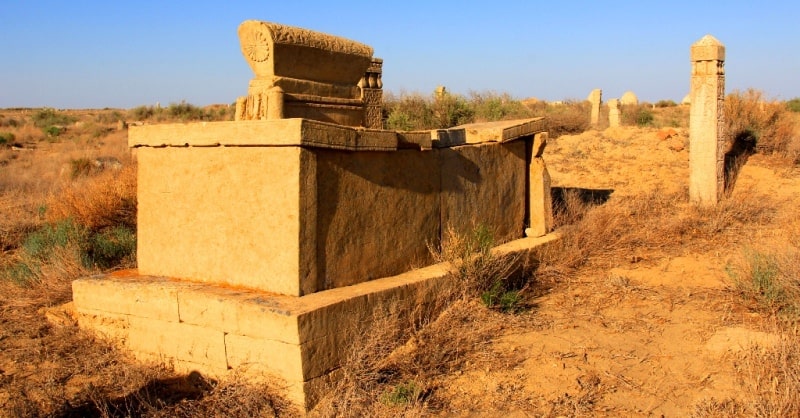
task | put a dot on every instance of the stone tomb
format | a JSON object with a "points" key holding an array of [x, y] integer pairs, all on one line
{"points": [[265, 244]]}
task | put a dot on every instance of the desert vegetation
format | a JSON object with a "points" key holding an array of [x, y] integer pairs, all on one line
{"points": [[639, 286]]}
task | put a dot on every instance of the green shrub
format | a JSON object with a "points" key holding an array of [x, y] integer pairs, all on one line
{"points": [[6, 138], [111, 247], [794, 104], [410, 112], [186, 111], [144, 112], [403, 394], [501, 298], [639, 115], [490, 106], [40, 244], [769, 281], [53, 131], [47, 118], [451, 110]]}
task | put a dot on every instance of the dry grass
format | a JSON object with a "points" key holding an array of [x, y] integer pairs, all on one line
{"points": [[644, 227], [97, 202], [771, 379], [768, 124]]}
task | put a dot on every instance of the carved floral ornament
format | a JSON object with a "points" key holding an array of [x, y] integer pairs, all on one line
{"points": [[255, 44]]}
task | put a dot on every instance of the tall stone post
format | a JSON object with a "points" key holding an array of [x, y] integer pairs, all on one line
{"points": [[613, 113], [540, 204], [706, 122], [595, 98]]}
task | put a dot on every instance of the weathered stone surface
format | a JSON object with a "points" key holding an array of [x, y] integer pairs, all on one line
{"points": [[375, 214], [473, 194], [265, 355], [273, 133], [301, 73], [300, 339], [209, 214], [540, 203], [706, 122], [479, 133], [157, 300], [613, 113]]}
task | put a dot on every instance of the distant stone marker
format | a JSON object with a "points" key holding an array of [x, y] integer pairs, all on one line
{"points": [[629, 99], [595, 98], [706, 122], [613, 113]]}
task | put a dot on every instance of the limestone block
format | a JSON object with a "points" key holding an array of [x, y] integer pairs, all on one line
{"points": [[266, 356], [708, 48], [282, 132], [478, 133], [485, 184], [375, 214], [540, 205], [157, 300], [273, 49], [110, 326], [208, 214], [178, 341], [239, 312]]}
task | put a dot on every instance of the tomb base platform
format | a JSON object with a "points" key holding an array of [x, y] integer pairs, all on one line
{"points": [[297, 342]]}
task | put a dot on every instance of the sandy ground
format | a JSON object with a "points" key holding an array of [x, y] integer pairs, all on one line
{"points": [[647, 338]]}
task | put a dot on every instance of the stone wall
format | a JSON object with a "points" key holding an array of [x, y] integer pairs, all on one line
{"points": [[295, 206]]}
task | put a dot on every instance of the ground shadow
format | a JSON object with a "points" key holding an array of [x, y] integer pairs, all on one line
{"points": [[158, 393], [744, 145], [571, 203]]}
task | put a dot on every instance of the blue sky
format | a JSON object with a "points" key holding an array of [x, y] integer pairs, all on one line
{"points": [[94, 54]]}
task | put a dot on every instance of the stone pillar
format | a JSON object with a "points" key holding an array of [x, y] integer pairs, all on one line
{"points": [[706, 122], [613, 113], [372, 95], [595, 98], [540, 201], [275, 103]]}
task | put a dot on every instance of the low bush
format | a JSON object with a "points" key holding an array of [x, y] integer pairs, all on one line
{"points": [[749, 117], [666, 103], [491, 106], [794, 104], [640, 115], [769, 281], [102, 201], [566, 119], [46, 118], [112, 247], [7, 138], [409, 112], [53, 131], [9, 122]]}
